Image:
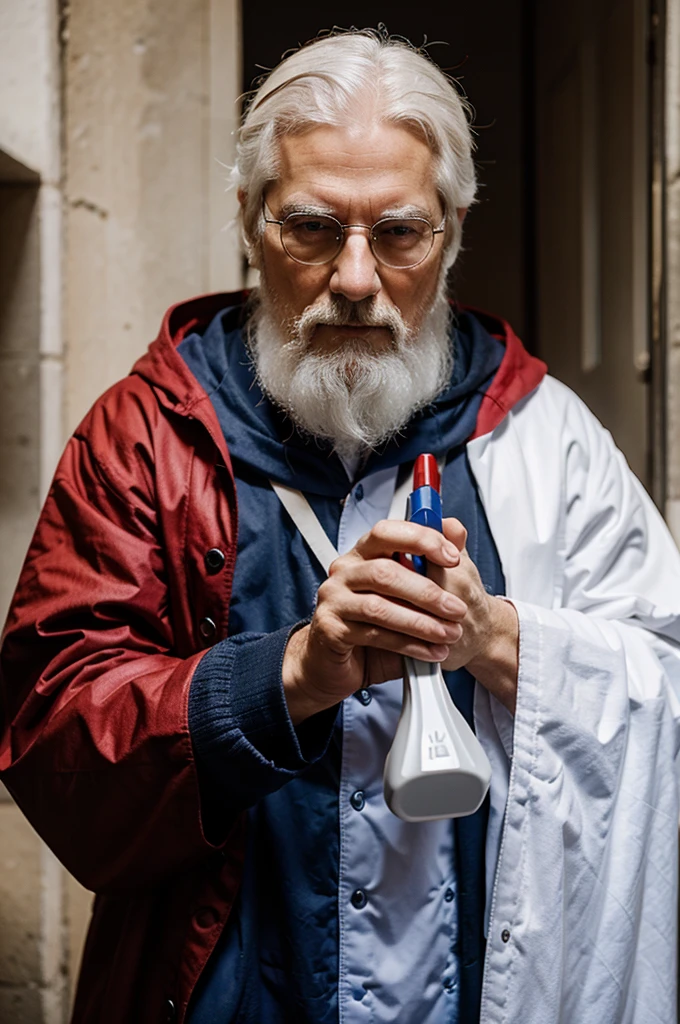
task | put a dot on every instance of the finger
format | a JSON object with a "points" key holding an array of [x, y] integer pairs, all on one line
{"points": [[389, 536], [390, 579], [386, 614], [376, 638], [455, 532]]}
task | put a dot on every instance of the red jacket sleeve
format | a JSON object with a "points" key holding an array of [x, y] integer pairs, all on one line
{"points": [[97, 657]]}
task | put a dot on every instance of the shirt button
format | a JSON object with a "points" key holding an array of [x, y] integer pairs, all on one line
{"points": [[214, 560], [359, 492], [505, 935], [207, 629], [170, 1011], [448, 895], [359, 899], [364, 696], [357, 800]]}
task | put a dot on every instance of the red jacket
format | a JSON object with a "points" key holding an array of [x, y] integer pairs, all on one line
{"points": [[98, 654]]}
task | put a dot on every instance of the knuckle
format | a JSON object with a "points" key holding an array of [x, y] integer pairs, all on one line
{"points": [[338, 565], [373, 608], [326, 593], [339, 631], [432, 592], [321, 620], [381, 529], [372, 635], [384, 574], [436, 631], [327, 621], [336, 630]]}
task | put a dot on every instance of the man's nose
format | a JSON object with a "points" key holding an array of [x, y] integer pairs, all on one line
{"points": [[355, 268]]}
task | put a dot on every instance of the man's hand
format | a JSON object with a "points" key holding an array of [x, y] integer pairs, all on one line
{"points": [[489, 643], [371, 611]]}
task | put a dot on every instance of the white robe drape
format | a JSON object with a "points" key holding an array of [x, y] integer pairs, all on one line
{"points": [[582, 848]]}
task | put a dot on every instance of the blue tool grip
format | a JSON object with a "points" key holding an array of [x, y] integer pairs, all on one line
{"points": [[425, 507]]}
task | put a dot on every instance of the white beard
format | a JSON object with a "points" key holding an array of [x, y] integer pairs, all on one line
{"points": [[354, 397]]}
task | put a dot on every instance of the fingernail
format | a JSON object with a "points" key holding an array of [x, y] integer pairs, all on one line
{"points": [[450, 550]]}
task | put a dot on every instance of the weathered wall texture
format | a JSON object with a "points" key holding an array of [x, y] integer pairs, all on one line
{"points": [[29, 111], [145, 127], [33, 954], [122, 221], [21, 970]]}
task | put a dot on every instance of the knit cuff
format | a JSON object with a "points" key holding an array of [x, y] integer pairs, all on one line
{"points": [[240, 727]]}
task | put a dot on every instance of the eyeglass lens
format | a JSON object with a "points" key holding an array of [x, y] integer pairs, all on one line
{"points": [[397, 242]]}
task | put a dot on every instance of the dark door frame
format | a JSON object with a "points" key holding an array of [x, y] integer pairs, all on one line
{"points": [[658, 270]]}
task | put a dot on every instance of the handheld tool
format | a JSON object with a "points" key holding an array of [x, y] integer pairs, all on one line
{"points": [[436, 767]]}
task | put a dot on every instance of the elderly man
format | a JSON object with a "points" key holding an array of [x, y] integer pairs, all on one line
{"points": [[196, 719]]}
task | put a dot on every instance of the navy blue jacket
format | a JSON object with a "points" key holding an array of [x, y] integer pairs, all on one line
{"points": [[270, 964]]}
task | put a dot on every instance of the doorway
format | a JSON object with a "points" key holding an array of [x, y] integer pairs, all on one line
{"points": [[592, 273], [558, 243]]}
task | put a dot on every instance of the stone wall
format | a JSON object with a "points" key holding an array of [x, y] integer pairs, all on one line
{"points": [[99, 233], [33, 954], [150, 95]]}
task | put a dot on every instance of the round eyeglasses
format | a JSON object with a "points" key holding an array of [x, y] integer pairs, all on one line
{"points": [[315, 239]]}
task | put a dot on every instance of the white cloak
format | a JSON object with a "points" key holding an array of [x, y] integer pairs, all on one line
{"points": [[582, 846]]}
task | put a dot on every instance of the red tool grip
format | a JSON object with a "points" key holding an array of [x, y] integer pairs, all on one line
{"points": [[426, 473]]}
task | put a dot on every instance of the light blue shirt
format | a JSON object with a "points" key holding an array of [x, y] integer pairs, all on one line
{"points": [[397, 905]]}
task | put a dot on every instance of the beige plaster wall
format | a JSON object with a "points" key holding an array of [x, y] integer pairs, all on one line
{"points": [[32, 950], [29, 111], [150, 102], [20, 918], [19, 377], [96, 239]]}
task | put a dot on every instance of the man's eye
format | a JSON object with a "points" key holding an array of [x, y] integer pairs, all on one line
{"points": [[399, 231], [311, 227], [401, 234]]}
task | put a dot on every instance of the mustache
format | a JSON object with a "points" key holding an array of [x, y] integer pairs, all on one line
{"points": [[341, 312]]}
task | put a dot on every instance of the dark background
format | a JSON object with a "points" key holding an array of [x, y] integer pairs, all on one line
{"points": [[488, 47]]}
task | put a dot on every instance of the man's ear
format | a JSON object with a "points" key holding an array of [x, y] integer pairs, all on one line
{"points": [[251, 246]]}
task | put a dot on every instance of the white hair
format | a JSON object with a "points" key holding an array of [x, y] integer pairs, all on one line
{"points": [[330, 81]]}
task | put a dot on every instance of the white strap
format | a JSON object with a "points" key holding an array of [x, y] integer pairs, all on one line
{"points": [[401, 493], [304, 517]]}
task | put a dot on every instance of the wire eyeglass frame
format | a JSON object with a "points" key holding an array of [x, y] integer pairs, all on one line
{"points": [[341, 236]]}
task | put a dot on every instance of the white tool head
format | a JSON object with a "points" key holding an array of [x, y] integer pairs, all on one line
{"points": [[436, 767]]}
